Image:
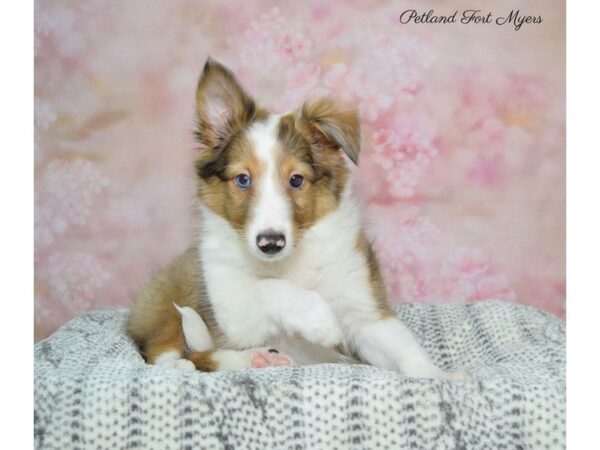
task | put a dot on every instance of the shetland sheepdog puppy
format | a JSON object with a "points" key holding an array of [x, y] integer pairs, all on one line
{"points": [[282, 271]]}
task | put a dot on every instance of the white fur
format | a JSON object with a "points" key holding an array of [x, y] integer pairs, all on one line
{"points": [[233, 359], [184, 364], [173, 359], [195, 330], [272, 211], [372, 340], [167, 358], [319, 290]]}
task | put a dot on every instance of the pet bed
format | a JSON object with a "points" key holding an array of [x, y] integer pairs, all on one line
{"points": [[93, 390]]}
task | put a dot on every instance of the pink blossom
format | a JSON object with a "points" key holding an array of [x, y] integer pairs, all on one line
{"points": [[65, 196], [43, 310], [294, 45], [487, 171], [337, 80], [458, 291], [385, 153], [45, 115], [415, 288], [47, 225], [528, 91], [465, 263], [73, 278], [372, 99], [404, 155], [400, 66], [495, 288], [383, 139], [336, 75], [320, 12], [303, 76], [271, 41], [302, 84], [490, 130]]}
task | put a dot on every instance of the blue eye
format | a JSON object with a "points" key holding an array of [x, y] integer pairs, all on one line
{"points": [[243, 181], [296, 181]]}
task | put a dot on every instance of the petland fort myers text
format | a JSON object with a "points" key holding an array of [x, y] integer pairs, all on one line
{"points": [[470, 16]]}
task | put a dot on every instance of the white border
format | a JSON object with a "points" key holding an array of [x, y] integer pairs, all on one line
{"points": [[16, 199], [583, 224], [583, 228]]}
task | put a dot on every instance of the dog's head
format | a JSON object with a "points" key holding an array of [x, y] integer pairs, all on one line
{"points": [[270, 176]]}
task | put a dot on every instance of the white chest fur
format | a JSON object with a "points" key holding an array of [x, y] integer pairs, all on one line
{"points": [[327, 261]]}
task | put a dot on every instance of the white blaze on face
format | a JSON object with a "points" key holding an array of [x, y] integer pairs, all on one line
{"points": [[271, 212]]}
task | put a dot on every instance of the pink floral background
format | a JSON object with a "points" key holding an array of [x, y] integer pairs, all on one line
{"points": [[463, 162]]}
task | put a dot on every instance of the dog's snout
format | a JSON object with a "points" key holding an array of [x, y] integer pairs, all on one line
{"points": [[270, 242]]}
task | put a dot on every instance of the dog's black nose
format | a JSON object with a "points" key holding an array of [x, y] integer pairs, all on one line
{"points": [[270, 242]]}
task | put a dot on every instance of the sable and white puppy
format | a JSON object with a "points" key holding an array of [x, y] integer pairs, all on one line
{"points": [[281, 255]]}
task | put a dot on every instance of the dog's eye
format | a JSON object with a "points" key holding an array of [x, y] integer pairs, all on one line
{"points": [[243, 181], [296, 181]]}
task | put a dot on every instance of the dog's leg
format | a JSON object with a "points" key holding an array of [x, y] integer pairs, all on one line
{"points": [[252, 312], [167, 346], [254, 358], [388, 343], [204, 357], [299, 311], [155, 323]]}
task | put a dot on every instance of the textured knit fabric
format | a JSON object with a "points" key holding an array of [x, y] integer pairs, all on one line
{"points": [[94, 391]]}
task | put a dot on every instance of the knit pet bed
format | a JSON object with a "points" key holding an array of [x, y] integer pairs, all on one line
{"points": [[93, 390]]}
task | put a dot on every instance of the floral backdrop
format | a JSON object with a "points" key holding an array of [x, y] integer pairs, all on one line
{"points": [[463, 163]]}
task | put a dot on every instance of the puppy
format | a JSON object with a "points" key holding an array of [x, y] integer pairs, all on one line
{"points": [[281, 255]]}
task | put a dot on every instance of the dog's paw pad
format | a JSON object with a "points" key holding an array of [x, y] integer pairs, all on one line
{"points": [[269, 357], [183, 364]]}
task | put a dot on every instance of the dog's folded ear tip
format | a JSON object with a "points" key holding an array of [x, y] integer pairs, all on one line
{"points": [[352, 154]]}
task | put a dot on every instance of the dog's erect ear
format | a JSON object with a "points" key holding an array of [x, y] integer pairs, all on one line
{"points": [[222, 105], [329, 124]]}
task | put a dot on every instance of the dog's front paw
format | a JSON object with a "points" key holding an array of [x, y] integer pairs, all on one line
{"points": [[313, 319], [322, 331]]}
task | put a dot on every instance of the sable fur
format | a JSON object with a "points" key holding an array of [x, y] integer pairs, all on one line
{"points": [[322, 286], [154, 323]]}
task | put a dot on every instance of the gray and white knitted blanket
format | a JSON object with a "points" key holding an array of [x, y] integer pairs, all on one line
{"points": [[94, 391]]}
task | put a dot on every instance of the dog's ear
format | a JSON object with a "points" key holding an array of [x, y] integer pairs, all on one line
{"points": [[330, 125], [222, 105]]}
